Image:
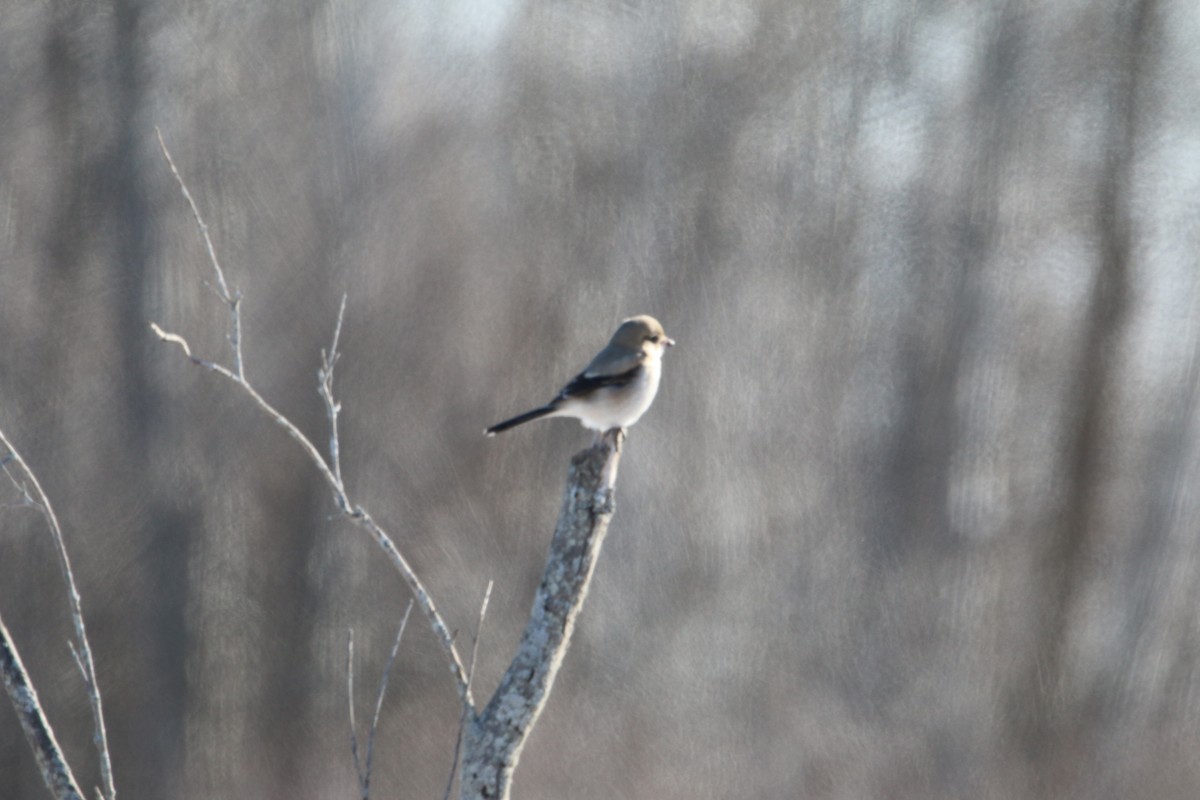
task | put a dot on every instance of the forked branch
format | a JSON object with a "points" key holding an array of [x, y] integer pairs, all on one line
{"points": [[81, 649], [330, 468], [363, 766], [491, 738], [494, 739]]}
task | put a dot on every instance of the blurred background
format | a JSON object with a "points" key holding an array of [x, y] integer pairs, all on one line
{"points": [[914, 514]]}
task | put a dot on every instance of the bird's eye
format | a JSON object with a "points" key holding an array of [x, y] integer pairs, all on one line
{"points": [[653, 339]]}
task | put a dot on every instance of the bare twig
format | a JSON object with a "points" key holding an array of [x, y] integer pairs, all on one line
{"points": [[353, 722], [462, 719], [483, 607], [173, 338], [332, 407], [364, 770], [383, 682], [329, 470], [80, 648], [54, 768], [232, 299]]}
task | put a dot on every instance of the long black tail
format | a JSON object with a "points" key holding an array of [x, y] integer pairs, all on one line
{"points": [[528, 416]]}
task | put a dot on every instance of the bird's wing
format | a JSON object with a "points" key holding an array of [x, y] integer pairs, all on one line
{"points": [[585, 383], [613, 360]]}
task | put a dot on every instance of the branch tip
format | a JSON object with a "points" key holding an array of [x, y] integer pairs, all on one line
{"points": [[174, 338]]}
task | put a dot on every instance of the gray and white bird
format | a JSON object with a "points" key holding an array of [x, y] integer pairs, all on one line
{"points": [[616, 388]]}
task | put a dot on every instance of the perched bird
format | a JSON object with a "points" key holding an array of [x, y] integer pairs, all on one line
{"points": [[616, 388]]}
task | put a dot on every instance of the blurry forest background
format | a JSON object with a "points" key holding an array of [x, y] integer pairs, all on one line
{"points": [[914, 515]]}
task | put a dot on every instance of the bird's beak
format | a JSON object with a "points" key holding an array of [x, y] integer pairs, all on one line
{"points": [[670, 342]]}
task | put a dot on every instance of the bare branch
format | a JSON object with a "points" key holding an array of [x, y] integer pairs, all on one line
{"points": [[172, 337], [364, 771], [78, 662], [383, 682], [494, 738], [361, 518], [490, 739], [462, 719], [83, 656], [355, 513], [232, 299], [329, 470], [483, 607], [54, 768], [332, 407], [362, 780], [313, 453]]}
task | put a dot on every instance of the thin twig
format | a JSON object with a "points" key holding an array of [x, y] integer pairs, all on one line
{"points": [[26, 499], [483, 607], [313, 453], [173, 338], [232, 299], [362, 788], [332, 407], [383, 682], [83, 657], [357, 514], [462, 719], [364, 771]]}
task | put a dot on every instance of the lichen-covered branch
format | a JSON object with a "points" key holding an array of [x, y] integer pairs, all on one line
{"points": [[495, 736], [54, 768]]}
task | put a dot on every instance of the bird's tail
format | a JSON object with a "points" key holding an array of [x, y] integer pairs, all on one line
{"points": [[520, 419]]}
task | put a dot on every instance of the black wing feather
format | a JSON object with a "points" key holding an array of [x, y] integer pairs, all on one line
{"points": [[584, 384]]}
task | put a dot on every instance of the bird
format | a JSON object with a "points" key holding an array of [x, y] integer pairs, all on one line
{"points": [[616, 388]]}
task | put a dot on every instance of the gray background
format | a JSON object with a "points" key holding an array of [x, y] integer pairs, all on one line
{"points": [[914, 515]]}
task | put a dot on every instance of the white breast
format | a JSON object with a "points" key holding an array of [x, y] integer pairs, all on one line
{"points": [[617, 407]]}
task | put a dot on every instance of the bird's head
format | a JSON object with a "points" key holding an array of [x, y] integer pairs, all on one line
{"points": [[642, 332]]}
